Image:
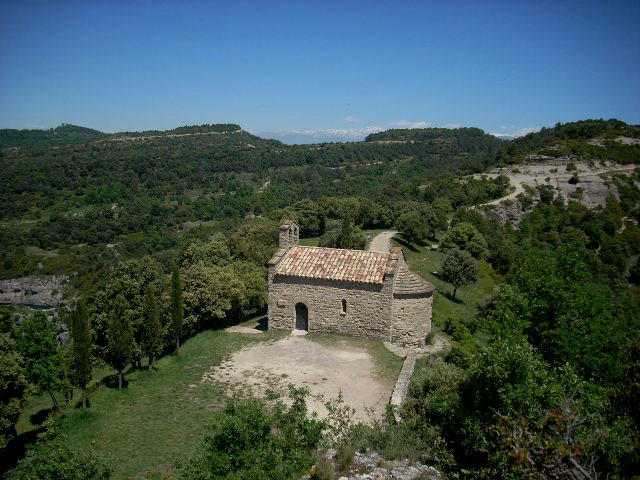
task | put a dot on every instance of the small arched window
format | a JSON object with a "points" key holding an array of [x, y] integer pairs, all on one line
{"points": [[344, 306]]}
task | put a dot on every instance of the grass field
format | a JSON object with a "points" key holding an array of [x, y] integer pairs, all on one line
{"points": [[160, 417], [424, 261]]}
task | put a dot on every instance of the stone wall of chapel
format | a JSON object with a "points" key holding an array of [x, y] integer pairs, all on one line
{"points": [[368, 312], [411, 319]]}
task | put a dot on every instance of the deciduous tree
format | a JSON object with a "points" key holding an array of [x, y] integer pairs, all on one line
{"points": [[458, 269], [465, 237], [413, 226], [13, 387], [37, 343]]}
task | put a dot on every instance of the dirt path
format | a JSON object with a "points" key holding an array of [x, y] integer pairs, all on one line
{"points": [[325, 369], [382, 241]]}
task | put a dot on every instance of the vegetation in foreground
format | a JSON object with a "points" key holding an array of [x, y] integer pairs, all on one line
{"points": [[158, 419]]}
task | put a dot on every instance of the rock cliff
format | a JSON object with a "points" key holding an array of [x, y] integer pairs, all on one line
{"points": [[40, 292]]}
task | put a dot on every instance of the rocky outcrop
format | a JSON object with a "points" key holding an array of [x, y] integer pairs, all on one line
{"points": [[372, 466], [513, 211], [39, 292]]}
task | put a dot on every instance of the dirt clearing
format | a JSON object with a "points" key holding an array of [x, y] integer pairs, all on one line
{"points": [[325, 369]]}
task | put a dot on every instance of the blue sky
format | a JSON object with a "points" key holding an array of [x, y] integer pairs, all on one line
{"points": [[313, 66]]}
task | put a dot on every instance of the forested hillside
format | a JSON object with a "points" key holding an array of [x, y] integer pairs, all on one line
{"points": [[61, 135], [65, 202], [167, 234]]}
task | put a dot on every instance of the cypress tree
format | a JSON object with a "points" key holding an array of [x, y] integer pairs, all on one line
{"points": [[345, 238], [120, 338], [152, 328], [177, 314], [81, 364]]}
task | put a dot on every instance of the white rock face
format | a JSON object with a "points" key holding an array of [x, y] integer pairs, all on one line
{"points": [[43, 291], [371, 466]]}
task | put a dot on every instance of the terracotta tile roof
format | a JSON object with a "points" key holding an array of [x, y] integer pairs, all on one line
{"points": [[334, 264], [408, 283]]}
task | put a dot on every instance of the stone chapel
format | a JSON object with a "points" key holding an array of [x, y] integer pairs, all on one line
{"points": [[353, 292]]}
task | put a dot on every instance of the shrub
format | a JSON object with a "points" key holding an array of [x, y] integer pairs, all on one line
{"points": [[324, 468], [344, 457], [462, 353], [430, 338], [456, 329], [546, 193], [334, 231], [53, 459], [578, 193], [247, 440]]}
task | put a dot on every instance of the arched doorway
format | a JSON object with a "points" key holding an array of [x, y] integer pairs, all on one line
{"points": [[302, 317]]}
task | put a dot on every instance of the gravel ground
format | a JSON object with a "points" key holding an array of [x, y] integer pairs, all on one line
{"points": [[325, 369]]}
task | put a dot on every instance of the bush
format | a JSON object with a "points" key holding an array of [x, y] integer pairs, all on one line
{"points": [[430, 338], [324, 468], [456, 329], [344, 458], [462, 353], [53, 459], [397, 441], [247, 440], [546, 193]]}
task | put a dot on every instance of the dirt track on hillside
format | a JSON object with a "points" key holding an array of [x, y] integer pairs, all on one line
{"points": [[381, 242]]}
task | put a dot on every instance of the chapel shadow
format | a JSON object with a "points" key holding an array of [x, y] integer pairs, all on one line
{"points": [[449, 296], [263, 324]]}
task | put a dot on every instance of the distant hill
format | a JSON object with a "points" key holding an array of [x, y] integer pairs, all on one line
{"points": [[64, 134], [299, 137], [424, 134], [187, 130], [586, 140], [73, 134]]}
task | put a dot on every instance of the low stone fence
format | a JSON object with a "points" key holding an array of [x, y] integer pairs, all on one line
{"points": [[402, 384]]}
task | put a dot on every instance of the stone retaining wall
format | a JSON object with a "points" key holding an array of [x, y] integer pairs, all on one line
{"points": [[402, 385]]}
